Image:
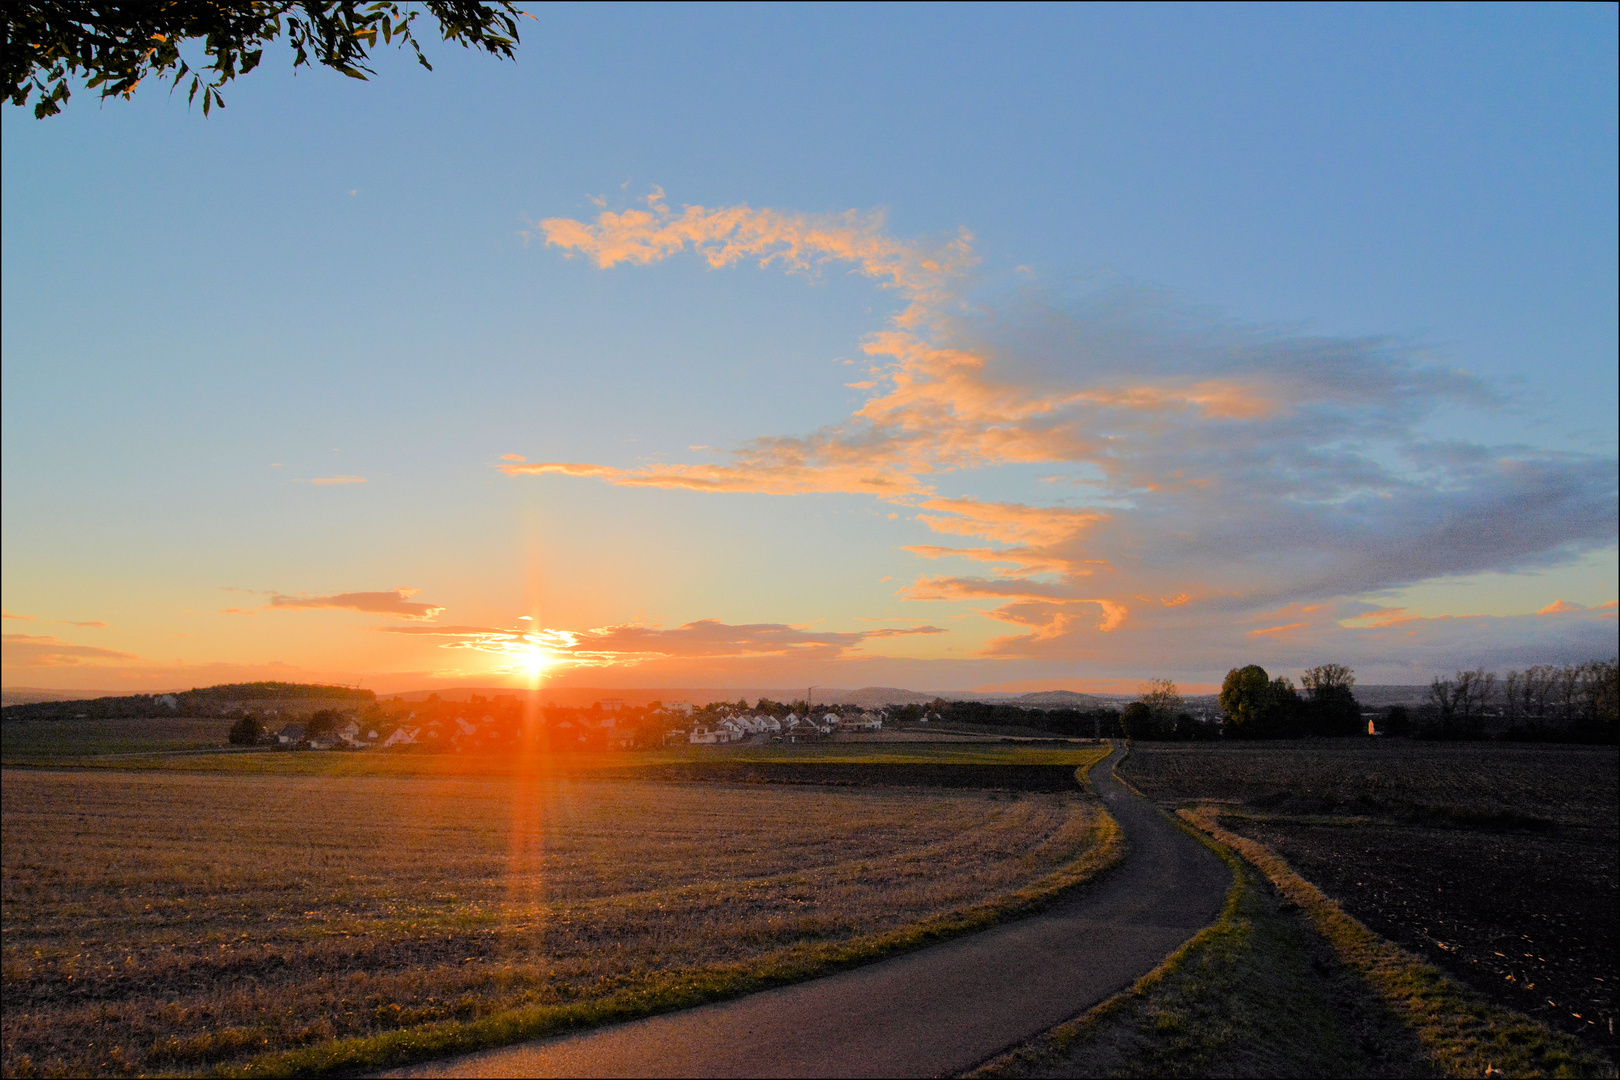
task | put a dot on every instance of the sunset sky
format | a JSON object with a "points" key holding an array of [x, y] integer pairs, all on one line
{"points": [[938, 347]]}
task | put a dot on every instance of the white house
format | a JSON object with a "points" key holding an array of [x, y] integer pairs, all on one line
{"points": [[705, 735], [862, 722], [401, 737]]}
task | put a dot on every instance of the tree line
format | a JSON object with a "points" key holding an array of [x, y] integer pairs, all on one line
{"points": [[1545, 703], [1573, 703]]}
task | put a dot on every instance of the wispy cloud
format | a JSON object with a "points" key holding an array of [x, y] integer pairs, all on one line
{"points": [[325, 480], [1218, 470], [395, 602], [42, 650], [637, 643]]}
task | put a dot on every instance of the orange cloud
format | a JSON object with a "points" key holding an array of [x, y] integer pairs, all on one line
{"points": [[1270, 630], [637, 643], [1012, 523], [323, 480], [772, 471], [1558, 607], [395, 602], [42, 650], [800, 242]]}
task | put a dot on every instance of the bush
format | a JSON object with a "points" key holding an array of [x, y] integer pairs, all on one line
{"points": [[246, 731]]}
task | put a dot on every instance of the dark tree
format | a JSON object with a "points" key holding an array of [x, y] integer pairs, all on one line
{"points": [[1260, 707], [1141, 722], [1245, 696], [322, 722], [113, 47], [1332, 708], [246, 731]]}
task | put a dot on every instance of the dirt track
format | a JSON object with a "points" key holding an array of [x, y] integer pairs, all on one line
{"points": [[929, 1013]]}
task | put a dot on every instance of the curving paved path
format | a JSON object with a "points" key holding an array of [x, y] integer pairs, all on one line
{"points": [[930, 1013]]}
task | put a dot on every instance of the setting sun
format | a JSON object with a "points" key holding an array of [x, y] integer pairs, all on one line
{"points": [[535, 662]]}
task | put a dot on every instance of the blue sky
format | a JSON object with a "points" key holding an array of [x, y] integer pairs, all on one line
{"points": [[332, 279]]}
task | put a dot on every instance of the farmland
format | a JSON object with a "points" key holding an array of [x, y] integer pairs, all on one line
{"points": [[207, 908], [1498, 863]]}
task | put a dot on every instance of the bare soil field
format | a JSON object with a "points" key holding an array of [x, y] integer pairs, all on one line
{"points": [[174, 921], [1498, 863]]}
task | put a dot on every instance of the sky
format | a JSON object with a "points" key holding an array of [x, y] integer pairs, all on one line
{"points": [[949, 347]]}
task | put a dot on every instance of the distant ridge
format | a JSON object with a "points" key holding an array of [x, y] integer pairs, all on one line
{"points": [[867, 697], [204, 701], [27, 695]]}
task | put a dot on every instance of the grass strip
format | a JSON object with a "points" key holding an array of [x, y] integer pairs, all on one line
{"points": [[1254, 994], [1464, 1034], [670, 991]]}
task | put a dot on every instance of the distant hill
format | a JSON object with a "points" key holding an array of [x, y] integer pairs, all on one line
{"points": [[867, 697], [872, 697], [207, 701], [27, 695], [1057, 699], [1374, 696]]}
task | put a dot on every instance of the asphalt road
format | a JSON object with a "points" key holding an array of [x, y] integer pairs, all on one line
{"points": [[930, 1013]]}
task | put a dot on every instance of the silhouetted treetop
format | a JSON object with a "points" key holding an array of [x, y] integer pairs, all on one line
{"points": [[113, 47]]}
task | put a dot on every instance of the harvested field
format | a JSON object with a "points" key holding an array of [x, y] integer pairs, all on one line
{"points": [[1498, 863], [174, 921], [88, 738]]}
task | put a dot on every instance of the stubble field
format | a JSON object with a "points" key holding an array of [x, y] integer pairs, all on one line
{"points": [[174, 921], [1498, 863]]}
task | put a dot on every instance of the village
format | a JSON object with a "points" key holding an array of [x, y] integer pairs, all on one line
{"points": [[503, 721]]}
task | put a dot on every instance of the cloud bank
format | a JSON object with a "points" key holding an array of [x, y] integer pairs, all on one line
{"points": [[1211, 473], [636, 643]]}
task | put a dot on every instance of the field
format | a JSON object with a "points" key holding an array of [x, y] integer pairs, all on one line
{"points": [[178, 917], [93, 738], [1498, 863]]}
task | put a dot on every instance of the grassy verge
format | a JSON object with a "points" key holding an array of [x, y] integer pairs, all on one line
{"points": [[665, 992], [1463, 1034], [1285, 984], [1255, 994]]}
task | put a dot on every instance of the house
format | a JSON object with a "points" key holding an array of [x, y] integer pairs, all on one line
{"points": [[350, 733], [682, 707], [611, 704], [400, 737], [704, 735], [861, 722], [290, 735]]}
